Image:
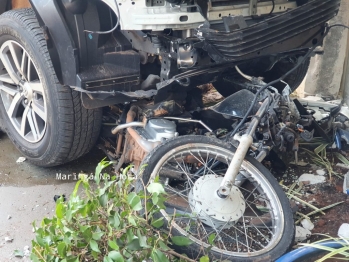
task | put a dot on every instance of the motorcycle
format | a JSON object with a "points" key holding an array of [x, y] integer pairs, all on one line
{"points": [[219, 194]]}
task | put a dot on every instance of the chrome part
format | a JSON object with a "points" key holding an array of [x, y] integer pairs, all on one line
{"points": [[127, 125], [184, 81], [187, 56], [159, 129], [212, 210], [22, 92], [246, 141], [263, 154], [189, 120]]}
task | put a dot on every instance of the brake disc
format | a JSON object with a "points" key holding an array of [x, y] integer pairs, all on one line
{"points": [[210, 208]]}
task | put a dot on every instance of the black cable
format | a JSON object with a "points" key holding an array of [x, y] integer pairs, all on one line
{"points": [[272, 10], [337, 25], [300, 62]]}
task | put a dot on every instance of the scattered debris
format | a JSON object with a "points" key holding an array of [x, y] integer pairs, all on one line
{"points": [[342, 165], [346, 184], [321, 172], [307, 224], [312, 179], [21, 160], [302, 234], [299, 163], [26, 251], [18, 253], [343, 231], [8, 239]]}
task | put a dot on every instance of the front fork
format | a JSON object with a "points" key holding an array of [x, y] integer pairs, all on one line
{"points": [[246, 141]]}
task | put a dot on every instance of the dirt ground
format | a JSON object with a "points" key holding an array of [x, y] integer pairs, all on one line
{"points": [[26, 194], [319, 195]]}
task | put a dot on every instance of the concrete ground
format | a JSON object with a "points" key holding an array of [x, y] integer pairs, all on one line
{"points": [[26, 194]]}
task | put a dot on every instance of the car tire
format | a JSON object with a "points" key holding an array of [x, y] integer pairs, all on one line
{"points": [[45, 120]]}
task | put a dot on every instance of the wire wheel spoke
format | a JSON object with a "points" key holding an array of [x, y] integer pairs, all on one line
{"points": [[253, 231], [22, 92]]}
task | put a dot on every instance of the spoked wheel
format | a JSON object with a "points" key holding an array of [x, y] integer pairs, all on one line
{"points": [[254, 223]]}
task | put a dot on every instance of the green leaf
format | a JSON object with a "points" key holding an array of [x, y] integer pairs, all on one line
{"points": [[76, 188], [62, 250], [320, 148], [72, 259], [101, 165], [87, 233], [134, 245], [94, 246], [155, 198], [116, 256], [211, 238], [134, 201], [40, 241], [158, 256], [125, 171], [114, 220], [142, 239], [113, 244], [204, 259], [18, 253], [181, 241], [97, 235], [156, 188], [342, 158], [158, 223], [60, 210], [107, 259], [103, 199], [132, 221], [163, 246]]}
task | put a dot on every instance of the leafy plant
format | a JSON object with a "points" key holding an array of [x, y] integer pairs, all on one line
{"points": [[107, 224]]}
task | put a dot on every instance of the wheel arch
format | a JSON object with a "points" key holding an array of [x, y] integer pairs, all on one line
{"points": [[60, 43]]}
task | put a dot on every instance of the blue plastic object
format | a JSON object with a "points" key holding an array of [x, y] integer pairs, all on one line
{"points": [[304, 251]]}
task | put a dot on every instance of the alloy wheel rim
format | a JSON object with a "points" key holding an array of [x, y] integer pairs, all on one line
{"points": [[22, 92]]}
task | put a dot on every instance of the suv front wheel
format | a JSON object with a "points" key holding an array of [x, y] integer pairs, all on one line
{"points": [[45, 120]]}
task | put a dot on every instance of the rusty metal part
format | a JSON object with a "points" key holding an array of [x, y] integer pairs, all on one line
{"points": [[119, 144], [133, 152], [135, 147]]}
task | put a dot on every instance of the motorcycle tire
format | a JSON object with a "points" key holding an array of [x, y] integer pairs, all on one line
{"points": [[247, 243]]}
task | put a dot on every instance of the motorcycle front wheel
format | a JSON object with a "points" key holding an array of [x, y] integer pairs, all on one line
{"points": [[254, 223]]}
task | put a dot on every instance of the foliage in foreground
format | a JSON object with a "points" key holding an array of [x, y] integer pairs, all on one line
{"points": [[108, 224]]}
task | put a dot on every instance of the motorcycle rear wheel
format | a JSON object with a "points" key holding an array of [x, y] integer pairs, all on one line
{"points": [[263, 231]]}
